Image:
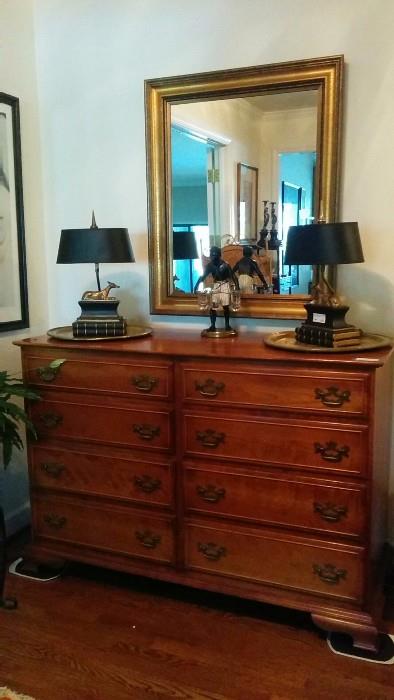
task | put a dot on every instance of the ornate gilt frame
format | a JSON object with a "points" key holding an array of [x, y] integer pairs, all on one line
{"points": [[322, 74]]}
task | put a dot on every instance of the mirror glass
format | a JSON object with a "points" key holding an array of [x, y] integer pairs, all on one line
{"points": [[234, 158], [242, 172]]}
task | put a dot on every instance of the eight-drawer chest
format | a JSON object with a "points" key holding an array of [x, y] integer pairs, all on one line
{"points": [[224, 465]]}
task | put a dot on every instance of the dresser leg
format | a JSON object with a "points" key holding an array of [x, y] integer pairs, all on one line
{"points": [[363, 632]]}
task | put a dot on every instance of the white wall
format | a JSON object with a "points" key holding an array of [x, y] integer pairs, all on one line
{"points": [[18, 78], [93, 57]]}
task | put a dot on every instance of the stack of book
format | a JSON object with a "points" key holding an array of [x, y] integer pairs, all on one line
{"points": [[103, 328], [99, 326], [348, 336]]}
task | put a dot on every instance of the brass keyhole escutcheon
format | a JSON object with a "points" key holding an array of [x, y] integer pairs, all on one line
{"points": [[328, 573], [332, 396], [212, 551], [331, 452], [146, 483], [209, 387], [210, 438], [146, 431], [144, 382], [211, 493], [330, 512]]}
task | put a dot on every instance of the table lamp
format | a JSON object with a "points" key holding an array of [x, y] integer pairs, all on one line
{"points": [[99, 317], [320, 245], [184, 247]]}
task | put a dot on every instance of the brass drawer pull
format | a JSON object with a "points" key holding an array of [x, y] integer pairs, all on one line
{"points": [[328, 573], [51, 420], [146, 431], [146, 483], [210, 438], [332, 396], [212, 551], [144, 382], [148, 539], [55, 521], [209, 387], [50, 372], [53, 469], [331, 452], [330, 512], [211, 493]]}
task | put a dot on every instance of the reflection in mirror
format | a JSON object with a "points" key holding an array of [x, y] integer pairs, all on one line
{"points": [[242, 172], [217, 144]]}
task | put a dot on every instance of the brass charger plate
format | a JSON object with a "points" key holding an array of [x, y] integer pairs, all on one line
{"points": [[66, 333], [286, 340]]}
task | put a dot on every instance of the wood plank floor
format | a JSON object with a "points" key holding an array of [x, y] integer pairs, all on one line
{"points": [[98, 635]]}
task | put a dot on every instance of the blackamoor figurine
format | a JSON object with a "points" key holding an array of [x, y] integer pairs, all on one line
{"points": [[248, 268], [222, 294]]}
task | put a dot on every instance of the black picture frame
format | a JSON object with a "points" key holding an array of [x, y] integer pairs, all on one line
{"points": [[14, 307]]}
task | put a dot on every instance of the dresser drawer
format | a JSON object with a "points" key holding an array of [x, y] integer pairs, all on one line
{"points": [[89, 421], [293, 443], [101, 475], [334, 571], [109, 528], [273, 387], [298, 502], [88, 372]]}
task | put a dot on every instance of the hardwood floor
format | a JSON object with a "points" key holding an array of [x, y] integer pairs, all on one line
{"points": [[99, 635]]}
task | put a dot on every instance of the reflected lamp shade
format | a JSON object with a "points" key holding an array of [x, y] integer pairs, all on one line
{"points": [[184, 245], [324, 244], [95, 245]]}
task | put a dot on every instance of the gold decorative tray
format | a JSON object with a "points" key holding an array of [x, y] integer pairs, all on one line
{"points": [[66, 333], [286, 340]]}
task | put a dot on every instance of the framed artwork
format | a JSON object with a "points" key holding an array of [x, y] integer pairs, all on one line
{"points": [[13, 283], [247, 184]]}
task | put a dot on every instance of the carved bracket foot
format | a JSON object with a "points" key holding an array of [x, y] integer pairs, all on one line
{"points": [[362, 629]]}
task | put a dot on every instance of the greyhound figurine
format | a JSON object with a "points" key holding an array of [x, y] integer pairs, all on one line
{"points": [[102, 295]]}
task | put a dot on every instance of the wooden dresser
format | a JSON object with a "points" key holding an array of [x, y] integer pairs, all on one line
{"points": [[224, 465]]}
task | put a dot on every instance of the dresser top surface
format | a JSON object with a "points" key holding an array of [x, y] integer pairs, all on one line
{"points": [[176, 342]]}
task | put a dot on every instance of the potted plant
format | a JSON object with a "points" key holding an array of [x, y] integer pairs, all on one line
{"points": [[12, 417]]}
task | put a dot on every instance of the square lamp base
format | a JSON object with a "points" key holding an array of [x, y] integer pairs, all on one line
{"points": [[99, 319], [326, 326]]}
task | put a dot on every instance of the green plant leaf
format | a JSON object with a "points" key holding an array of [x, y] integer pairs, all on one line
{"points": [[12, 415], [56, 363], [22, 391]]}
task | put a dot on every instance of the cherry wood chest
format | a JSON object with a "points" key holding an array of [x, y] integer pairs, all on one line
{"points": [[219, 464]]}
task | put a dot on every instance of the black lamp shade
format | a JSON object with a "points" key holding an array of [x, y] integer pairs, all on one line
{"points": [[184, 245], [324, 244], [95, 245]]}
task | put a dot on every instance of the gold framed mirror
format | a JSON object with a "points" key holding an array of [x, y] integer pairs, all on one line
{"points": [[195, 121]]}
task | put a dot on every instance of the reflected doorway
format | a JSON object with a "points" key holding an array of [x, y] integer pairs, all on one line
{"points": [[195, 171]]}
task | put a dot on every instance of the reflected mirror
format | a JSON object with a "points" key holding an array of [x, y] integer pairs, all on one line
{"points": [[234, 159]]}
